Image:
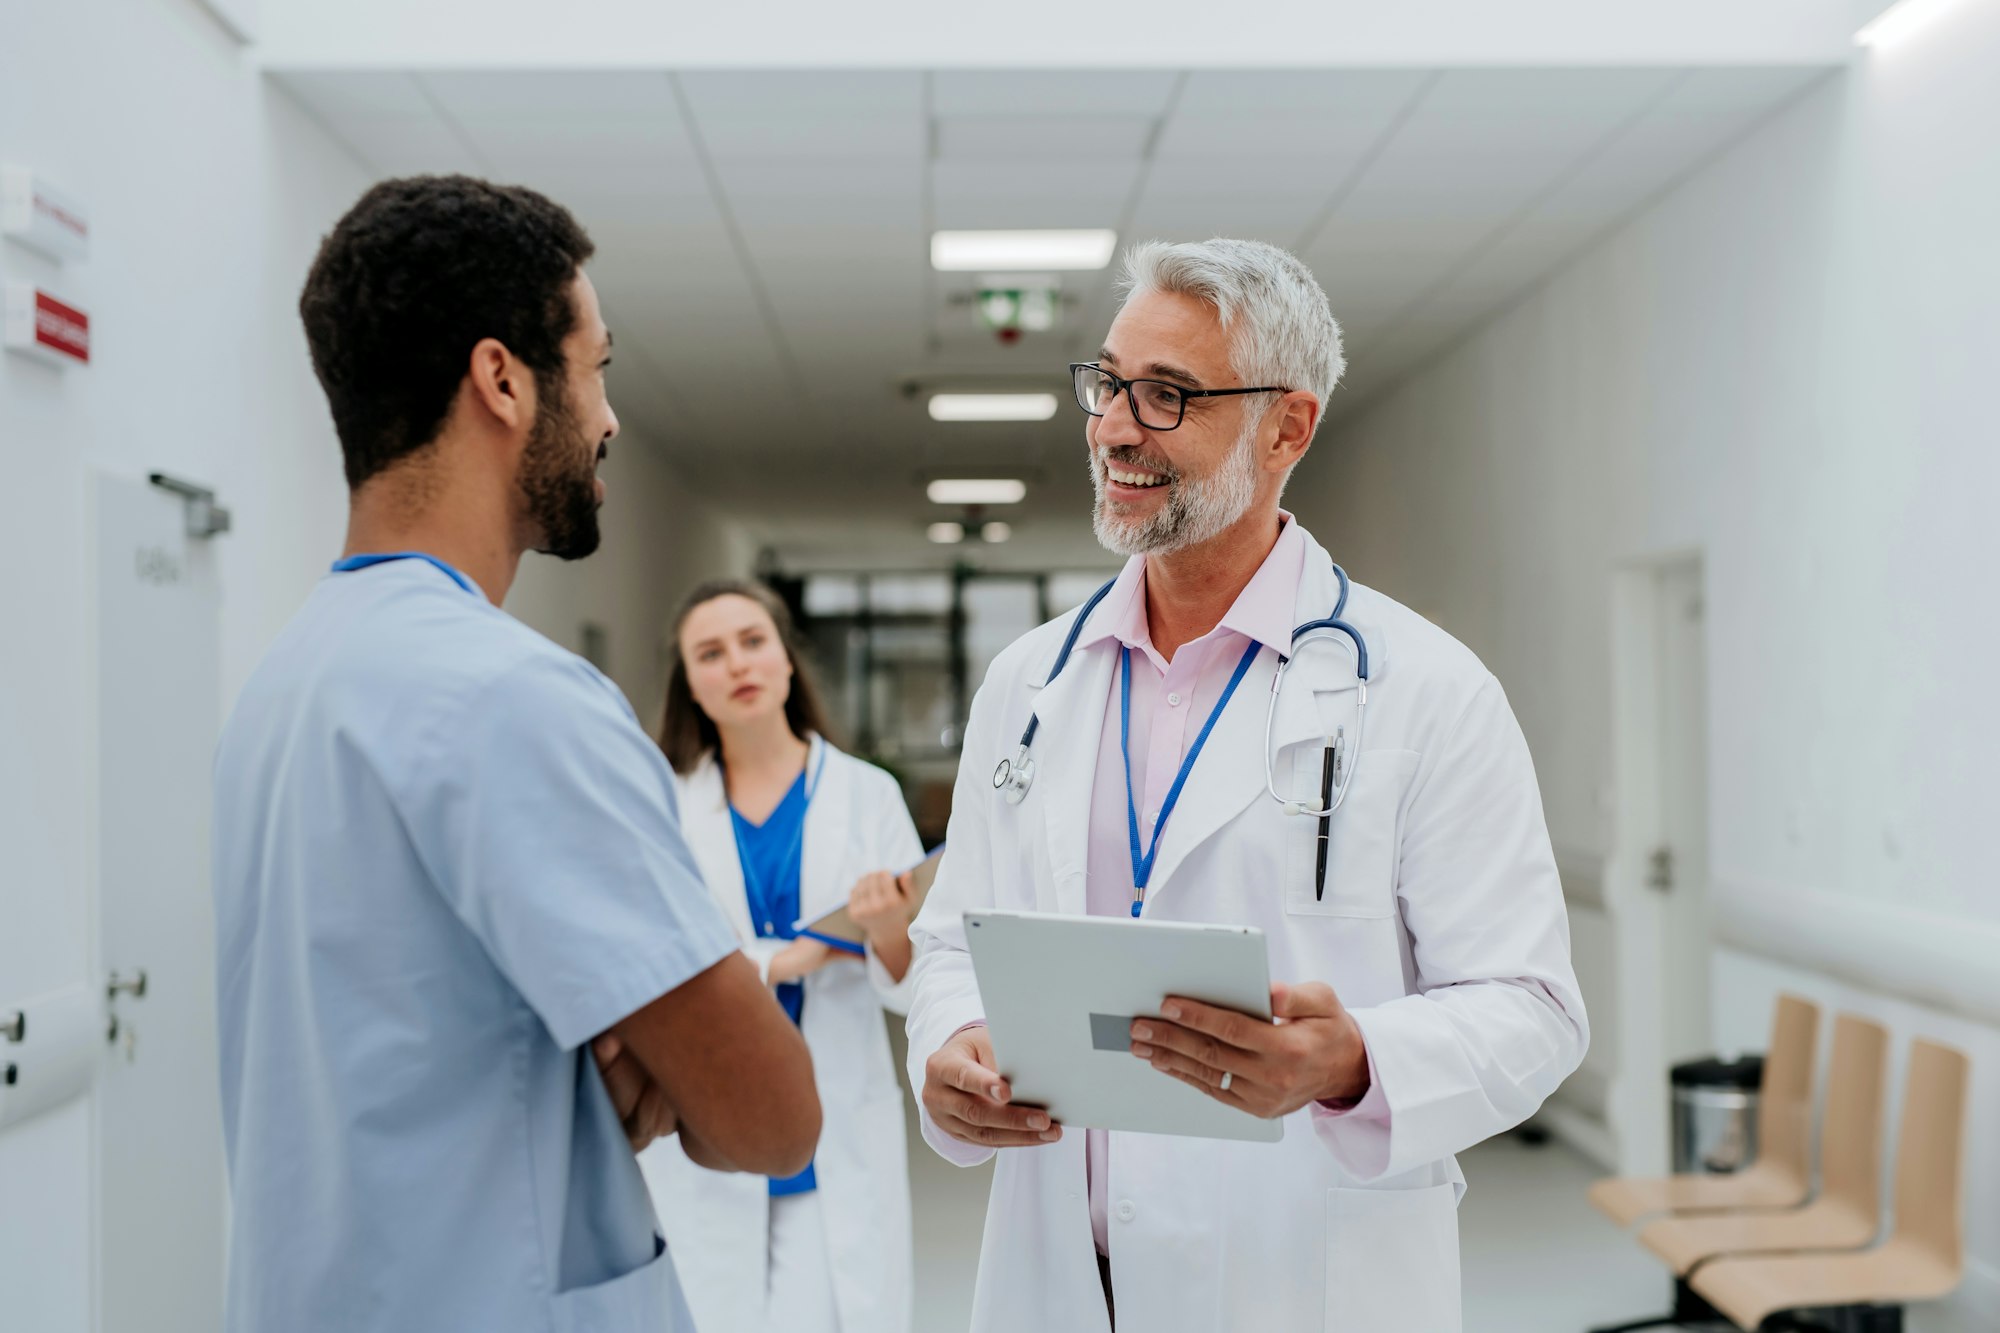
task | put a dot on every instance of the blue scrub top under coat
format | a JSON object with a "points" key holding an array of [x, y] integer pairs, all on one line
{"points": [[772, 857], [446, 856]]}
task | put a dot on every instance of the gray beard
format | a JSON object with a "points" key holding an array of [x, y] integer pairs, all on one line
{"points": [[1196, 509]]}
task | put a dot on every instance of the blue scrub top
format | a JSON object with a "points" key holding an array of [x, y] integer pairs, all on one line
{"points": [[772, 854], [446, 857]]}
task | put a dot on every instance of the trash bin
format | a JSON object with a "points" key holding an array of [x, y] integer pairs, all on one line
{"points": [[1715, 1113]]}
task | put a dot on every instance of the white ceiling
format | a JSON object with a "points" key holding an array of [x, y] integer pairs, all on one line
{"points": [[763, 237]]}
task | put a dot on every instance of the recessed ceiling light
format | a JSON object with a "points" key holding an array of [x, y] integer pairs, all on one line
{"points": [[986, 491], [992, 406], [1015, 251], [1899, 21], [995, 531], [946, 534]]}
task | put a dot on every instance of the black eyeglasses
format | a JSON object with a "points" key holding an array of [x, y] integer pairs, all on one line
{"points": [[1156, 404]]}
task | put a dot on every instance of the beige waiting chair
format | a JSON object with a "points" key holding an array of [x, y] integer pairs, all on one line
{"points": [[1924, 1257], [1848, 1208], [1780, 1176]]}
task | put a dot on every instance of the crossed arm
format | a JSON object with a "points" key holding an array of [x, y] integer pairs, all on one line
{"points": [[716, 1061]]}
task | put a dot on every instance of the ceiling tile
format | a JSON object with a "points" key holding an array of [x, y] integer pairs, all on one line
{"points": [[1046, 193], [811, 114], [1324, 121], [972, 138], [1047, 92]]}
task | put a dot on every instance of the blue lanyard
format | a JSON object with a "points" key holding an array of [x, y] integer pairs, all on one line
{"points": [[767, 892], [354, 562], [1142, 865]]}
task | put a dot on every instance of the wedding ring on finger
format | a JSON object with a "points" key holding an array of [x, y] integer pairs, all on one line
{"points": [[1227, 1078]]}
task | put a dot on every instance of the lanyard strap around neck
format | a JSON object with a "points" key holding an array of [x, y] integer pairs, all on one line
{"points": [[1142, 863], [354, 562]]}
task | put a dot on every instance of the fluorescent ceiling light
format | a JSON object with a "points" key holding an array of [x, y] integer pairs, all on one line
{"points": [[1899, 21], [1015, 251], [992, 406], [991, 491], [995, 531], [946, 534]]}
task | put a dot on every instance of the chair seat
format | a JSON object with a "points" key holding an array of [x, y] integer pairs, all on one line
{"points": [[1749, 1290], [1824, 1224], [1626, 1199]]}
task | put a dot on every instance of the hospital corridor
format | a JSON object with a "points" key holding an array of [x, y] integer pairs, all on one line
{"points": [[931, 668]]}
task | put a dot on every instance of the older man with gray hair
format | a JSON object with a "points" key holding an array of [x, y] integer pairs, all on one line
{"points": [[1413, 917]]}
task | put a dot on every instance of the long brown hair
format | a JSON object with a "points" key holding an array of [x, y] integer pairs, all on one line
{"points": [[686, 732]]}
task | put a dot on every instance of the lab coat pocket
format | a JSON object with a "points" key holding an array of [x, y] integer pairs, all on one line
{"points": [[1363, 837], [1392, 1261]]}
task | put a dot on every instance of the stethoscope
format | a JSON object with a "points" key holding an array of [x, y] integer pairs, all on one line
{"points": [[1015, 775]]}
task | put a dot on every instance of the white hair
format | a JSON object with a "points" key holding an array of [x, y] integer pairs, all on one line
{"points": [[1280, 328]]}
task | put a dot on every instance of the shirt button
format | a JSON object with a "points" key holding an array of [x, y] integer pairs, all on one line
{"points": [[1152, 816], [1127, 1210], [1173, 701]]}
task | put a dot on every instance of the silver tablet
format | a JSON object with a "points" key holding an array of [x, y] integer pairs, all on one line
{"points": [[1061, 992]]}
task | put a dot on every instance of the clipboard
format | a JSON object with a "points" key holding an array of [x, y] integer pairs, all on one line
{"points": [[838, 929]]}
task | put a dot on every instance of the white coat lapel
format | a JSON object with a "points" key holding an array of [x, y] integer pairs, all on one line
{"points": [[1071, 709], [824, 880], [705, 824]]}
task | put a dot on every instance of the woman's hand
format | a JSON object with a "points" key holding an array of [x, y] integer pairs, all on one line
{"points": [[880, 904], [800, 958]]}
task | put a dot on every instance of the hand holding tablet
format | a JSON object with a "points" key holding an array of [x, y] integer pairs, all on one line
{"points": [[1062, 993]]}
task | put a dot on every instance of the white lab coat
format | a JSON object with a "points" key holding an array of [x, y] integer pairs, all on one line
{"points": [[1442, 928], [717, 1224]]}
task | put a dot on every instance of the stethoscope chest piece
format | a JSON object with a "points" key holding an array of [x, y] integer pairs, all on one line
{"points": [[1013, 777]]}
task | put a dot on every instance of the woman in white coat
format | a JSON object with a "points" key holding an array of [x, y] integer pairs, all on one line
{"points": [[786, 827]]}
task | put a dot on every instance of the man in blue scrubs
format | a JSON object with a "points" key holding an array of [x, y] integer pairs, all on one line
{"points": [[447, 863]]}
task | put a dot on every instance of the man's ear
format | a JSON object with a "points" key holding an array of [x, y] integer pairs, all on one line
{"points": [[1298, 418], [501, 386]]}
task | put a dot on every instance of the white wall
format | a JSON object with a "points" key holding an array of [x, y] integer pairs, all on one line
{"points": [[208, 192], [1786, 363]]}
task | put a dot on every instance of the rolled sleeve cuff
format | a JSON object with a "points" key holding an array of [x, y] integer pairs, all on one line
{"points": [[1358, 1133]]}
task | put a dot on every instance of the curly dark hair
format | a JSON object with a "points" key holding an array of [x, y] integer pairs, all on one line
{"points": [[416, 273]]}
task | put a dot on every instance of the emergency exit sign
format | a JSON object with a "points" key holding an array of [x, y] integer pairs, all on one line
{"points": [[45, 327]]}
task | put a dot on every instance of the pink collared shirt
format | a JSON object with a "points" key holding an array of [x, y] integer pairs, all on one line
{"points": [[1170, 702]]}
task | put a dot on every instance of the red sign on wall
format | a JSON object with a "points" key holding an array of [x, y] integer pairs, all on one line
{"points": [[62, 328], [45, 327]]}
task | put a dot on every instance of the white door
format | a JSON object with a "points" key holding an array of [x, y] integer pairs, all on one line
{"points": [[160, 1184], [1657, 877]]}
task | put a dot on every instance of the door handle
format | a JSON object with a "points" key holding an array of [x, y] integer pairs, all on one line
{"points": [[134, 985], [14, 1026]]}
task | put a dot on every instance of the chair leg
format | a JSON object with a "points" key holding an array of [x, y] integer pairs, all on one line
{"points": [[1689, 1308]]}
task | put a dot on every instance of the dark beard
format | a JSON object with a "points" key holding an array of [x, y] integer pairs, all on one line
{"points": [[559, 478]]}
